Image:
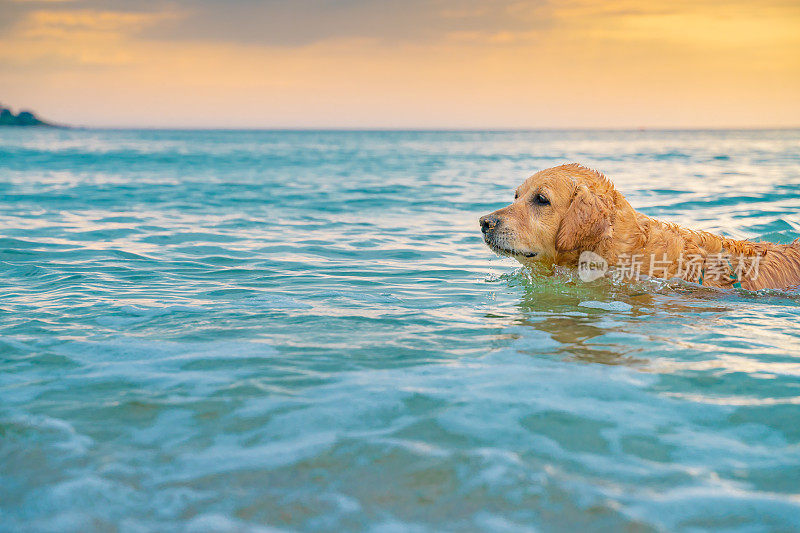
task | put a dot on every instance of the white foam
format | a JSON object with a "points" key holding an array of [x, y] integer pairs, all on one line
{"points": [[219, 523], [608, 306]]}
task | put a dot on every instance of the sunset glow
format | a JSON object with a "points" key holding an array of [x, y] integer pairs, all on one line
{"points": [[438, 64]]}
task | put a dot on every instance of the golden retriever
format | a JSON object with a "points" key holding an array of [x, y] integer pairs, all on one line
{"points": [[561, 214]]}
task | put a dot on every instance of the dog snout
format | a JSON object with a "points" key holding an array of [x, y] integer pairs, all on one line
{"points": [[489, 222]]}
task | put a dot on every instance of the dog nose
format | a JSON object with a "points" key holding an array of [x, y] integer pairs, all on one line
{"points": [[488, 222]]}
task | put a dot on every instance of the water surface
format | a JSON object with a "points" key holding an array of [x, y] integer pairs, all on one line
{"points": [[228, 331]]}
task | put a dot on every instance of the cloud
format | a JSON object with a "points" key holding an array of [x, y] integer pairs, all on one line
{"points": [[81, 23], [295, 23], [303, 22], [446, 63], [55, 38]]}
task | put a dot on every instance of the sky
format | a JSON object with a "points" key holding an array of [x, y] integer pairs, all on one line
{"points": [[403, 63]]}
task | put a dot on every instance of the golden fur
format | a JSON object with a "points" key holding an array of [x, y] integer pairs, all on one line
{"points": [[562, 211]]}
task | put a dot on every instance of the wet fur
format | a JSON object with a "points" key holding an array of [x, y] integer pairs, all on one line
{"points": [[586, 212]]}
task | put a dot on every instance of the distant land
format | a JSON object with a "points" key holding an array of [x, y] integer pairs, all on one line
{"points": [[24, 118]]}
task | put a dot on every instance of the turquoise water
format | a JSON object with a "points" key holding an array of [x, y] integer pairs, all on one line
{"points": [[236, 331]]}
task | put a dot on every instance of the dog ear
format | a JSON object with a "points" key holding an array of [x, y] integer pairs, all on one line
{"points": [[586, 222]]}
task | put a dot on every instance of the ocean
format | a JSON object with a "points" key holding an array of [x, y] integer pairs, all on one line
{"points": [[303, 331]]}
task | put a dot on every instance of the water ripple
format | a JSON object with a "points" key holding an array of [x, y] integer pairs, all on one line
{"points": [[236, 331]]}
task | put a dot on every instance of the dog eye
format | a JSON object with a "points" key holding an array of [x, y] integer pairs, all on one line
{"points": [[516, 195], [540, 200]]}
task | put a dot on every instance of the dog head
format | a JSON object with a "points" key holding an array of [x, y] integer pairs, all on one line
{"points": [[556, 211]]}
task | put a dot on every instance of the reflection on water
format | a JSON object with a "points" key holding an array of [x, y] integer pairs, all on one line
{"points": [[222, 331]]}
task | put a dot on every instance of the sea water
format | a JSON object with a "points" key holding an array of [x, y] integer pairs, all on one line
{"points": [[303, 331]]}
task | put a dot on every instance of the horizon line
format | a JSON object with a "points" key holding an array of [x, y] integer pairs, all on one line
{"points": [[432, 129]]}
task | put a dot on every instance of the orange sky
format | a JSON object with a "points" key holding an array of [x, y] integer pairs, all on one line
{"points": [[403, 63]]}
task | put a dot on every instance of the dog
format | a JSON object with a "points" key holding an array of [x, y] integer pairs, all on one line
{"points": [[570, 213]]}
